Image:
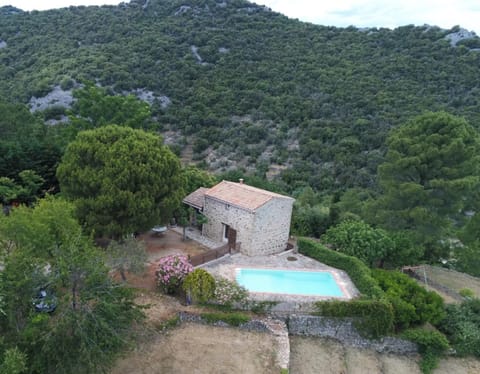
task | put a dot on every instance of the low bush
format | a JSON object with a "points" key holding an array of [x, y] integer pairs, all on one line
{"points": [[412, 304], [374, 318], [467, 293], [232, 318], [14, 362], [462, 327], [171, 271], [431, 344], [200, 284], [229, 293], [168, 324], [356, 269]]}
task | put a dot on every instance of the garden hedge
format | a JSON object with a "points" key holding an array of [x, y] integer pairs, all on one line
{"points": [[359, 273]]}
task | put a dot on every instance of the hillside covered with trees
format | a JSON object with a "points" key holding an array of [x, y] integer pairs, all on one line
{"points": [[235, 85], [110, 115]]}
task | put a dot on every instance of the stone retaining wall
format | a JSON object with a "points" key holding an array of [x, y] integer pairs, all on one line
{"points": [[344, 331], [252, 325], [341, 329]]}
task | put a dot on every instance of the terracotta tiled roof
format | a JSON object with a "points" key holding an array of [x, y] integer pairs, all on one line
{"points": [[196, 198], [242, 195]]}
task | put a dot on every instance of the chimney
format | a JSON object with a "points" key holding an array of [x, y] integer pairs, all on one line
{"points": [[241, 180]]}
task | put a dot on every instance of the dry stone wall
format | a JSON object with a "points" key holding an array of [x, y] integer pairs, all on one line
{"points": [[343, 330]]}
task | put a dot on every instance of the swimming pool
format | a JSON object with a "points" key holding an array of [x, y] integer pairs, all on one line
{"points": [[294, 282]]}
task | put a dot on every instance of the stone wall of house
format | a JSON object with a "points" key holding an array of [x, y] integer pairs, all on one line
{"points": [[263, 232], [219, 213], [271, 227]]}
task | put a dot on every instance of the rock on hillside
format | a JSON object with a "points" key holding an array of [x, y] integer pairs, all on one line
{"points": [[462, 34], [56, 97]]}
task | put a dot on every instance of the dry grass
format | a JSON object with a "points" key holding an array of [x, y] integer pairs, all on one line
{"points": [[453, 279], [193, 348]]}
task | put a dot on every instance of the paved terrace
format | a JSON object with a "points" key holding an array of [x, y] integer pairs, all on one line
{"points": [[226, 267]]}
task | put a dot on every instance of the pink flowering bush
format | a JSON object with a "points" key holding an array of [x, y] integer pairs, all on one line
{"points": [[229, 293], [170, 272]]}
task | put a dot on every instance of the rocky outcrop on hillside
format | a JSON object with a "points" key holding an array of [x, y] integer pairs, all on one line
{"points": [[462, 34], [56, 97]]}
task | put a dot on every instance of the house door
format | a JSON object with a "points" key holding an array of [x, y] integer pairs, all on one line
{"points": [[232, 238]]}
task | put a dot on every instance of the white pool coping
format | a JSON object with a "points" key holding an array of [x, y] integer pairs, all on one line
{"points": [[227, 268]]}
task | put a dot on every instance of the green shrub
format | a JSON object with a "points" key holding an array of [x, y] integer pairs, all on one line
{"points": [[168, 324], [431, 344], [462, 327], [171, 270], [356, 269], [229, 292], [233, 318], [467, 292], [374, 318], [14, 362], [201, 285], [359, 239], [412, 304], [427, 340]]}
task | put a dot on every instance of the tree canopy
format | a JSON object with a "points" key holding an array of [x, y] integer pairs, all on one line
{"points": [[356, 238], [94, 108], [430, 174], [315, 102], [43, 249], [121, 180]]}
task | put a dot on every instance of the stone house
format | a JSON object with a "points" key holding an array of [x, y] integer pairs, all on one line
{"points": [[258, 220]]}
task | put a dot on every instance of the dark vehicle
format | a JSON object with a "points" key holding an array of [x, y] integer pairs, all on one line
{"points": [[45, 301]]}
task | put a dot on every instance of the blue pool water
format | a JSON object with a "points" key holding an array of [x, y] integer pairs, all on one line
{"points": [[317, 283]]}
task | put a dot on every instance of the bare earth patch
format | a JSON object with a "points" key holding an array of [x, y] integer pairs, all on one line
{"points": [[194, 348], [160, 307], [395, 364], [454, 365], [312, 355], [360, 361], [453, 279], [326, 356], [446, 298]]}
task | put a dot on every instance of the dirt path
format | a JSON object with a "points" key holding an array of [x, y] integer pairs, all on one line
{"points": [[194, 348]]}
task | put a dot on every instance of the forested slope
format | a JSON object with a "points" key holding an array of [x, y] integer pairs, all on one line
{"points": [[246, 86]]}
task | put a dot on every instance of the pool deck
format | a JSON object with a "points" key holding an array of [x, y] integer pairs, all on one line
{"points": [[226, 267]]}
